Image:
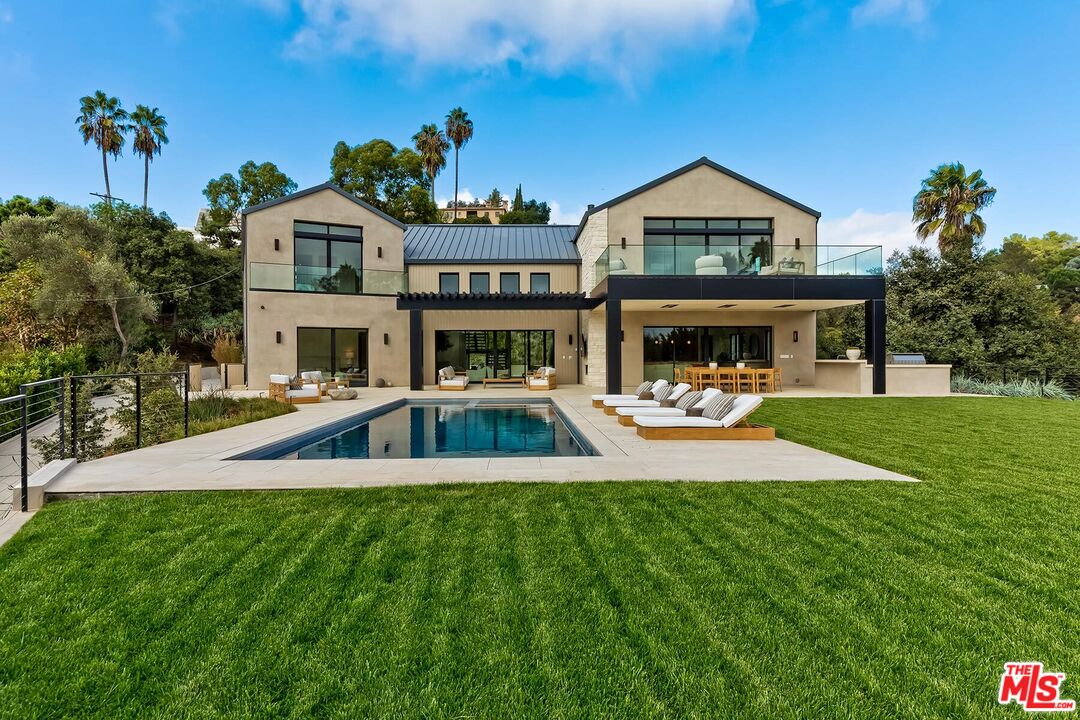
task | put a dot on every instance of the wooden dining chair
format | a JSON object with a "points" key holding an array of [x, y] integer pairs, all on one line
{"points": [[776, 380], [746, 377], [727, 379], [764, 378]]}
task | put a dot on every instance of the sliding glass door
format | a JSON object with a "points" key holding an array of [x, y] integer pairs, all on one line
{"points": [[494, 353], [667, 348], [333, 351]]}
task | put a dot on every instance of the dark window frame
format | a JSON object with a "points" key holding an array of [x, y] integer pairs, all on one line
{"points": [[549, 351], [457, 281], [330, 238], [539, 274], [487, 281], [516, 276], [333, 346], [733, 329]]}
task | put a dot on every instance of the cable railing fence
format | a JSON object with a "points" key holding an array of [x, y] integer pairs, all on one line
{"points": [[87, 417]]}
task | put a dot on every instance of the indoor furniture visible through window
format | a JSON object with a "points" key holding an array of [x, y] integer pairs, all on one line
{"points": [[731, 246], [669, 348], [494, 353], [334, 351]]}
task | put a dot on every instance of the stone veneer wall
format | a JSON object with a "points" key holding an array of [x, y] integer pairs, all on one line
{"points": [[591, 245]]}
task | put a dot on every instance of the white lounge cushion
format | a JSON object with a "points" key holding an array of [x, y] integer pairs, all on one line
{"points": [[631, 403], [312, 376], [538, 382], [313, 386], [279, 379], [653, 411], [626, 396], [308, 391], [459, 381], [744, 405], [676, 422], [678, 391]]}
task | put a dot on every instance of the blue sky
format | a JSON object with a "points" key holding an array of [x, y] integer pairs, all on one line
{"points": [[844, 106]]}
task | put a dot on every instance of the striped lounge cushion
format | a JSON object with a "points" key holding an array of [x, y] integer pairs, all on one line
{"points": [[688, 400], [718, 407], [643, 387], [662, 394]]}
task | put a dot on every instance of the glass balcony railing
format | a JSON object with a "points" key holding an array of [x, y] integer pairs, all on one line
{"points": [[764, 260], [344, 280]]}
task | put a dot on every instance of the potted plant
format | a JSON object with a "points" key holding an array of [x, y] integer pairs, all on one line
{"points": [[853, 353]]}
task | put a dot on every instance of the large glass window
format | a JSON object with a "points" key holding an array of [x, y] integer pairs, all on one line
{"points": [[667, 348], [675, 246], [479, 282], [494, 353], [327, 258], [448, 282], [334, 351], [539, 282], [509, 282]]}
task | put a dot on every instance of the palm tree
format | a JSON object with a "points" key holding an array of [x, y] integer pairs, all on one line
{"points": [[948, 204], [432, 146], [102, 120], [150, 135], [459, 128]]}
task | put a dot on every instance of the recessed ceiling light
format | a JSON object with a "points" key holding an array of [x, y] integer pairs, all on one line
{"points": [[784, 306], [670, 305], [724, 307]]}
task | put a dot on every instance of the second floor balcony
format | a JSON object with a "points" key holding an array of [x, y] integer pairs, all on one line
{"points": [[761, 259], [343, 280]]}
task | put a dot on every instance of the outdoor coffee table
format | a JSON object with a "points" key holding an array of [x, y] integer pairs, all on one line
{"points": [[504, 381]]}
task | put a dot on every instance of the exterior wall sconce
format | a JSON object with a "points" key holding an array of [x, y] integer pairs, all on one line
{"points": [[380, 251], [277, 337], [794, 336], [797, 243], [386, 338], [570, 339], [622, 335], [624, 243], [277, 244]]}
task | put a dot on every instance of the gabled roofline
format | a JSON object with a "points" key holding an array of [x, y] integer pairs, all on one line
{"points": [[702, 161], [319, 188]]}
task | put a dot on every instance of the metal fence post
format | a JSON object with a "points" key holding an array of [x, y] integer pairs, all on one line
{"points": [[187, 390], [75, 418], [24, 468], [63, 435], [138, 410]]}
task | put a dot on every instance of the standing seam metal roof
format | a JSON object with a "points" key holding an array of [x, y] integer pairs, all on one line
{"points": [[490, 244]]}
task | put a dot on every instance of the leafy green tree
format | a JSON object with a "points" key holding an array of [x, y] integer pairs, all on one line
{"points": [[474, 220], [948, 206], [22, 205], [494, 198], [149, 127], [390, 179], [1054, 259], [84, 285], [229, 194], [459, 129], [432, 146], [524, 212], [104, 122]]}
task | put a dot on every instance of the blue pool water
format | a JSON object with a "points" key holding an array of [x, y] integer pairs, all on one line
{"points": [[443, 430]]}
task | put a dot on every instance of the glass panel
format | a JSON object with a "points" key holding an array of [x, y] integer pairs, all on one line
{"points": [[450, 349], [690, 224], [762, 224], [351, 356], [756, 252], [688, 248], [724, 224], [509, 282], [448, 282], [309, 227], [346, 261], [658, 354], [310, 253], [753, 344], [313, 350], [653, 223], [540, 282], [479, 282], [537, 349], [518, 352], [659, 254], [343, 230]]}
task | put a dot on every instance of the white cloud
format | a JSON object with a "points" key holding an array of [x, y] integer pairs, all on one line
{"points": [[569, 217], [891, 230], [463, 194], [616, 38], [910, 12]]}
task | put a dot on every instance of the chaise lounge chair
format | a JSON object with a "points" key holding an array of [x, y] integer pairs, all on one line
{"points": [[598, 400], [280, 390], [449, 380], [697, 401], [676, 392], [732, 425]]}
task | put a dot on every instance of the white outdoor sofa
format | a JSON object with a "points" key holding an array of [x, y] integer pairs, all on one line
{"points": [[733, 426], [449, 380], [544, 379], [611, 405], [598, 400], [627, 414], [279, 390]]}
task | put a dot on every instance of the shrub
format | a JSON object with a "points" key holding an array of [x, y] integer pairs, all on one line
{"points": [[90, 438], [39, 364], [1017, 388], [227, 350]]}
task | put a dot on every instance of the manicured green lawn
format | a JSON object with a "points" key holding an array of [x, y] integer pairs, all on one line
{"points": [[758, 600]]}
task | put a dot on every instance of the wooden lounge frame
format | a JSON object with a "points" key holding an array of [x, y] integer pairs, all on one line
{"points": [[743, 431], [452, 387], [551, 383], [278, 391]]}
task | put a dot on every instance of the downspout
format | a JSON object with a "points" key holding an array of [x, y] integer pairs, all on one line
{"points": [[244, 275]]}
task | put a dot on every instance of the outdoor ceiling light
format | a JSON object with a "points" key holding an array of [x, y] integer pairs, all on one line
{"points": [[669, 305], [724, 307], [784, 306]]}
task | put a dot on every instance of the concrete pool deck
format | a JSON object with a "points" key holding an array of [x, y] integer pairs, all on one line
{"points": [[202, 462]]}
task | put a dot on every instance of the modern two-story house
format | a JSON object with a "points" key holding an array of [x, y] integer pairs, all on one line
{"points": [[700, 265]]}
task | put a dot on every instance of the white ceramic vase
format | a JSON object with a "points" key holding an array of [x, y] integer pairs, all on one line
{"points": [[853, 353]]}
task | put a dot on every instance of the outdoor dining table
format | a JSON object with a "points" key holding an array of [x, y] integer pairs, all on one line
{"points": [[732, 379]]}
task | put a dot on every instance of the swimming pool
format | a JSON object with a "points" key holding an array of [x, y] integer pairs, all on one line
{"points": [[440, 429]]}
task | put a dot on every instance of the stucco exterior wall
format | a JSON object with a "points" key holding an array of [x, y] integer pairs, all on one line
{"points": [[270, 312], [425, 278], [704, 192], [563, 322]]}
